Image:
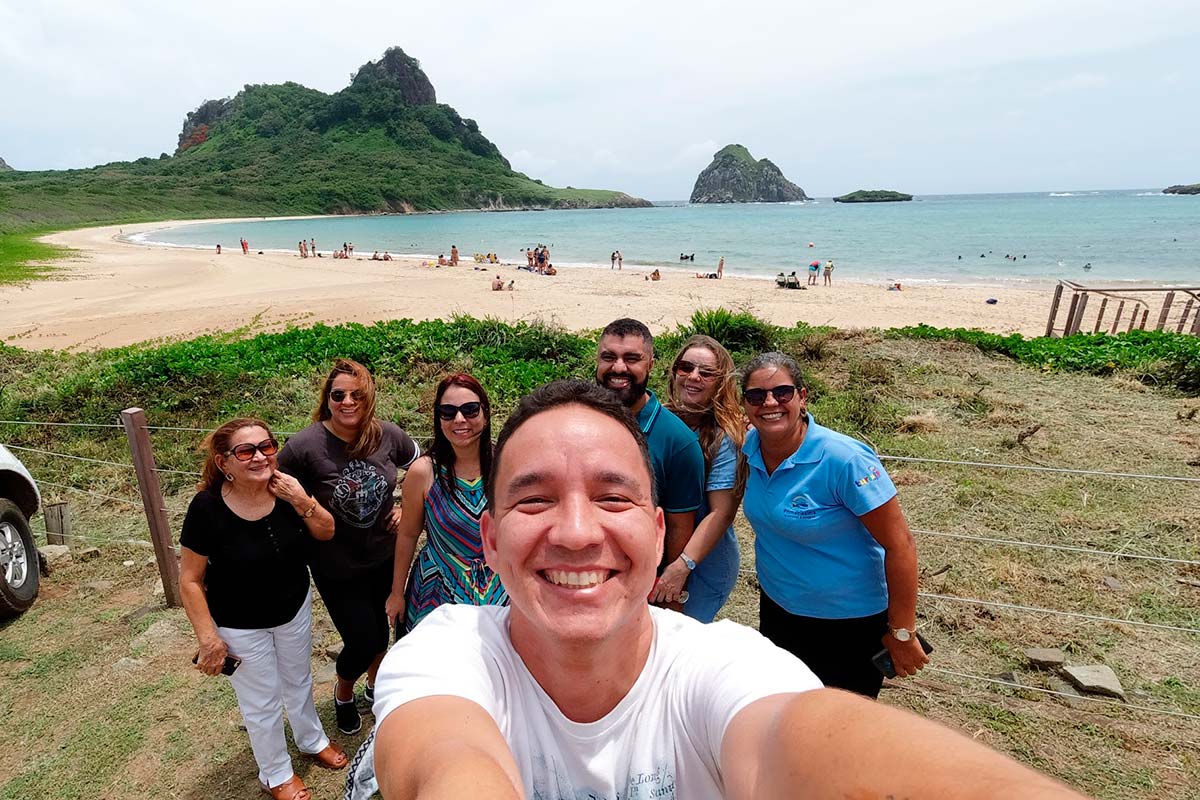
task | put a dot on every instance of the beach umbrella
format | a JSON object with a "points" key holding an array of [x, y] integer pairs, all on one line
{"points": [[815, 264]]}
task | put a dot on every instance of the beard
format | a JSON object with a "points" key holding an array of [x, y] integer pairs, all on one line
{"points": [[628, 395]]}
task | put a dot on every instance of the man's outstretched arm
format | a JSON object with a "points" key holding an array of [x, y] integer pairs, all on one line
{"points": [[832, 744], [444, 747]]}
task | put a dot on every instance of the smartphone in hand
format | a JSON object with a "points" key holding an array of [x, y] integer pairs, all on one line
{"points": [[230, 666], [883, 659]]}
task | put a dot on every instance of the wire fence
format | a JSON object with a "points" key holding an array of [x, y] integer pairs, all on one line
{"points": [[985, 683]]}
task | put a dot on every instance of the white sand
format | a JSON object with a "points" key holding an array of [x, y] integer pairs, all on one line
{"points": [[116, 293]]}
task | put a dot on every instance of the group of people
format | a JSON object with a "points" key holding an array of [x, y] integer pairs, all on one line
{"points": [[538, 650], [387, 256], [718, 275], [306, 249], [537, 259]]}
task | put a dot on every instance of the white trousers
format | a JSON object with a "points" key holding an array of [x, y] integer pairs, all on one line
{"points": [[276, 673]]}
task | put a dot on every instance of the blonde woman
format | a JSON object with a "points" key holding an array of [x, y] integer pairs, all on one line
{"points": [[703, 392]]}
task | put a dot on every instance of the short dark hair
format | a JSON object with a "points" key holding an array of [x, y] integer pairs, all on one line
{"points": [[775, 360], [566, 393], [628, 327]]}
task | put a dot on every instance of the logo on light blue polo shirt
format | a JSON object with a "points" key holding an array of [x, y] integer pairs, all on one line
{"points": [[801, 507], [863, 481]]}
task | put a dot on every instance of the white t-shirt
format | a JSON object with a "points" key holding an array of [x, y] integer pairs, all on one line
{"points": [[662, 741]]}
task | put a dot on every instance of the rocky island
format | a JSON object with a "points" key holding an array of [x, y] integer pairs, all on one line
{"points": [[873, 196], [1188, 188], [382, 144], [735, 177]]}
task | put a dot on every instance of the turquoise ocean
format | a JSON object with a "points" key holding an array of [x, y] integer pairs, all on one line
{"points": [[1125, 235]]}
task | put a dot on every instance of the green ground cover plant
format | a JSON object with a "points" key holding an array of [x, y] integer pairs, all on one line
{"points": [[175, 733]]}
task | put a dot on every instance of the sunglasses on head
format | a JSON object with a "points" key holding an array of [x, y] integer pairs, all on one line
{"points": [[245, 452], [338, 395], [687, 368], [782, 394], [469, 410]]}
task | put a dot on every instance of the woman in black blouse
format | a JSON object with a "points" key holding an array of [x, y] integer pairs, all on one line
{"points": [[245, 589]]}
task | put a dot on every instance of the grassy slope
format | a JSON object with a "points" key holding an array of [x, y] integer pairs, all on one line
{"points": [[285, 149], [170, 731]]}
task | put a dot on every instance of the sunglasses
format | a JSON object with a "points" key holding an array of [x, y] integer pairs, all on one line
{"points": [[448, 412], [245, 452], [339, 395], [782, 394], [687, 368]]}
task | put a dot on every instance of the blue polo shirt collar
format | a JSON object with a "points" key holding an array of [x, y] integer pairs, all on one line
{"points": [[810, 450]]}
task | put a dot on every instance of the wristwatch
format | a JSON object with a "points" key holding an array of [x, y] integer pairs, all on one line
{"points": [[311, 509], [687, 562], [902, 634]]}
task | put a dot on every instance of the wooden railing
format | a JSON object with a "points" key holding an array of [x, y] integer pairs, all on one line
{"points": [[1120, 309]]}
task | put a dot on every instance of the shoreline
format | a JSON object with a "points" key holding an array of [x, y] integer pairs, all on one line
{"points": [[117, 292]]}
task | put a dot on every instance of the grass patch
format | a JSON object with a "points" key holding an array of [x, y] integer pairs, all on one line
{"points": [[22, 258]]}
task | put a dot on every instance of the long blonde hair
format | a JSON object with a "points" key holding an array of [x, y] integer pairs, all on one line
{"points": [[370, 433], [724, 414]]}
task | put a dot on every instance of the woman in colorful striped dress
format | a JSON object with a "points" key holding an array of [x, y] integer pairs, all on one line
{"points": [[444, 496]]}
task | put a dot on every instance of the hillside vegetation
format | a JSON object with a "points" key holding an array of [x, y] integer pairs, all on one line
{"points": [[382, 144]]}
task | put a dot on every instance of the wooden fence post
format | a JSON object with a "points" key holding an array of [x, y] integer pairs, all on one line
{"points": [[1166, 310], [1054, 309], [134, 420], [1117, 319], [1077, 321], [58, 524], [1187, 309], [1100, 315]]}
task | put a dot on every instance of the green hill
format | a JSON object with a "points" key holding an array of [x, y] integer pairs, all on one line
{"points": [[382, 144]]}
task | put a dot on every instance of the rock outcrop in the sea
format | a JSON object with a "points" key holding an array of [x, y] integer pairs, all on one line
{"points": [[5, 167], [873, 196], [1183, 188], [735, 177]]}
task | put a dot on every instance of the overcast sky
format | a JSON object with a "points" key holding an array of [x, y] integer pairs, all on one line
{"points": [[925, 97]]}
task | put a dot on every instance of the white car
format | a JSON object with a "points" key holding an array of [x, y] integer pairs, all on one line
{"points": [[19, 500]]}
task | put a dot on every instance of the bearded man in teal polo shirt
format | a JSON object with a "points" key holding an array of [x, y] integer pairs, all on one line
{"points": [[623, 362]]}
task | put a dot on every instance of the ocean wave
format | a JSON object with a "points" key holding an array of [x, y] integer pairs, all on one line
{"points": [[1063, 194]]}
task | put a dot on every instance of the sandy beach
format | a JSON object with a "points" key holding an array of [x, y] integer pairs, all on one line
{"points": [[116, 292]]}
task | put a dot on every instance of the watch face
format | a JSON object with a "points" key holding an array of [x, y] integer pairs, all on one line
{"points": [[902, 634]]}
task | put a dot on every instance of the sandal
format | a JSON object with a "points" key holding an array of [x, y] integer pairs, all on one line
{"points": [[291, 789], [332, 757]]}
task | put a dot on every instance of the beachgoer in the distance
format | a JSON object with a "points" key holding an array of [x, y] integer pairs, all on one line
{"points": [[529, 258], [454, 255], [829, 272], [708, 275], [656, 275], [621, 262], [442, 260], [218, 249], [375, 256], [312, 248], [781, 279], [812, 273], [511, 285], [550, 270], [387, 256], [350, 247], [614, 260], [497, 283], [721, 268]]}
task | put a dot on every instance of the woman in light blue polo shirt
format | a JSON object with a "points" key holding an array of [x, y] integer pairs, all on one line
{"points": [[837, 564], [703, 393]]}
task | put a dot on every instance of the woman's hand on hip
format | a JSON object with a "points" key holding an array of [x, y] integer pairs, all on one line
{"points": [[907, 657], [212, 656]]}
